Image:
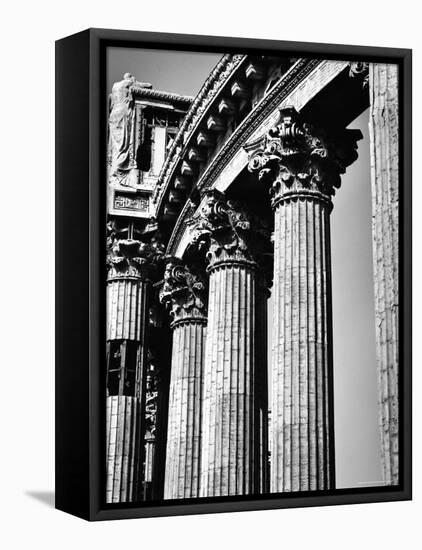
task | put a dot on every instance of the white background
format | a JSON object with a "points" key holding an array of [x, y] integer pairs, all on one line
{"points": [[27, 271]]}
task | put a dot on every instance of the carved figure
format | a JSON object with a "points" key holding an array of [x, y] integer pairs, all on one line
{"points": [[121, 129]]}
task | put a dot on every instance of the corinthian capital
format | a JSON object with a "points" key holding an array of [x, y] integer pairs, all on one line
{"points": [[228, 231], [183, 293], [300, 160], [128, 257]]}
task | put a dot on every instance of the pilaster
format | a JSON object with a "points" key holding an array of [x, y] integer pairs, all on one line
{"points": [[383, 128]]}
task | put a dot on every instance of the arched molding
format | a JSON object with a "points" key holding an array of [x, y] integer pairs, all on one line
{"points": [[297, 87]]}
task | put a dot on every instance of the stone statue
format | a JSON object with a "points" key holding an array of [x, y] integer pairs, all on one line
{"points": [[121, 130]]}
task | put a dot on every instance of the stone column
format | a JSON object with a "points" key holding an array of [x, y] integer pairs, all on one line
{"points": [[384, 128], [182, 292], [233, 449], [303, 167], [127, 307]]}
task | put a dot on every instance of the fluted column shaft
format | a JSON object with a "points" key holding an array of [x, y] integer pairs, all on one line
{"points": [[234, 440], [302, 165], [383, 126], [302, 445], [183, 293], [184, 425], [126, 327], [230, 433]]}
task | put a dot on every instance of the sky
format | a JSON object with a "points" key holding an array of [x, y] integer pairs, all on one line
{"points": [[357, 441], [171, 71]]}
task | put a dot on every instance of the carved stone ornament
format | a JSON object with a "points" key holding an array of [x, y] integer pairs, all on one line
{"points": [[183, 292], [128, 257], [229, 232], [217, 79], [151, 403], [360, 69], [299, 160]]}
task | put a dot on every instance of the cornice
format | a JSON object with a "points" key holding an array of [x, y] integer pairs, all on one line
{"points": [[140, 92], [289, 81], [222, 71]]}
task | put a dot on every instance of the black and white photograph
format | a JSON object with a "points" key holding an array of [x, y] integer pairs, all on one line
{"points": [[252, 275], [210, 241]]}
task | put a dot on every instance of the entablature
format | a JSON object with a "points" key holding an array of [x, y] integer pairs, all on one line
{"points": [[297, 87], [232, 91]]}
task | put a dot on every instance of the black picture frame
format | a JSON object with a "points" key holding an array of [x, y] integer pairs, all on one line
{"points": [[80, 272]]}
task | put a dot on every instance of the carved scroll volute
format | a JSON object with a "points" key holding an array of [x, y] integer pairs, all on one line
{"points": [[184, 292], [360, 70], [131, 258], [299, 160], [227, 231]]}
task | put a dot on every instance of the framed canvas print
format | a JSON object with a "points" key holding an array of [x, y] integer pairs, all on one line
{"points": [[233, 274]]}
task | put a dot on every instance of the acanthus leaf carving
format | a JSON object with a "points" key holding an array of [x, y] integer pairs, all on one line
{"points": [[183, 292], [227, 230], [300, 160], [129, 257]]}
